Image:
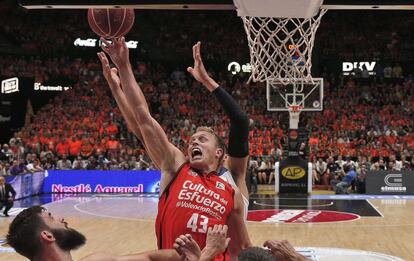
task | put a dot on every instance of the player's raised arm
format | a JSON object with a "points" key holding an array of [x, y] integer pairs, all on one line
{"points": [[238, 148], [165, 155], [111, 76]]}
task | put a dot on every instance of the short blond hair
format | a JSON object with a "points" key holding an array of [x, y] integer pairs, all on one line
{"points": [[219, 140]]}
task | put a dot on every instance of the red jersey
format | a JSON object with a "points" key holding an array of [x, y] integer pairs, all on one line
{"points": [[190, 205]]}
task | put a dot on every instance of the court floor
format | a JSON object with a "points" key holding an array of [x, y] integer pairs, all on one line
{"points": [[123, 224]]}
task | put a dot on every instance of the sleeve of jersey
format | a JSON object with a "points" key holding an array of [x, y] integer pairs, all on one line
{"points": [[239, 124]]}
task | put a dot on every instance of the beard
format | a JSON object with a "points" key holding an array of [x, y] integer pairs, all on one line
{"points": [[69, 239]]}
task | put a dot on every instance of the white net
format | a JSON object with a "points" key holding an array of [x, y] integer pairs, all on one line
{"points": [[281, 48]]}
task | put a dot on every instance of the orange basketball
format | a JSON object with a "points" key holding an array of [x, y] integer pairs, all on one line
{"points": [[111, 22]]}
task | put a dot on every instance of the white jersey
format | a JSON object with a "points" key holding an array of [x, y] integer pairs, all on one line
{"points": [[226, 176]]}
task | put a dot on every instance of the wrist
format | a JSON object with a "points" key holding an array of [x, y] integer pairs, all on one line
{"points": [[207, 254], [210, 84], [125, 65]]}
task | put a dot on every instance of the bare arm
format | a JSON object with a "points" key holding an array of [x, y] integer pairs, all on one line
{"points": [[239, 122], [237, 227], [283, 250], [155, 255], [164, 154], [111, 76]]}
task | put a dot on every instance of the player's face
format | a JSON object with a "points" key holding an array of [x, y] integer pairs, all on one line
{"points": [[66, 238], [203, 151]]}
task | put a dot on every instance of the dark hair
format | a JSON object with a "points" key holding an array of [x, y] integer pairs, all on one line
{"points": [[256, 254], [347, 168], [23, 233]]}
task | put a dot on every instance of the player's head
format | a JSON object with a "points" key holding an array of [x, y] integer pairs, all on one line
{"points": [[35, 231], [206, 149], [256, 254], [2, 181]]}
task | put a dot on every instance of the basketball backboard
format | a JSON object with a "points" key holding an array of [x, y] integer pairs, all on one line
{"points": [[307, 95], [206, 4]]}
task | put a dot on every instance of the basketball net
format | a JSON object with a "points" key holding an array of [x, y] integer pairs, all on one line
{"points": [[281, 48], [294, 112]]}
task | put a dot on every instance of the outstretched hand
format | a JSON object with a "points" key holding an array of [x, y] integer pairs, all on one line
{"points": [[117, 51], [187, 248], [199, 71], [110, 74], [217, 240], [283, 250]]}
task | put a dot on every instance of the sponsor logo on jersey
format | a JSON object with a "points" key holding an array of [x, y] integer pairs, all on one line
{"points": [[192, 173], [293, 172], [299, 216], [220, 185], [197, 196]]}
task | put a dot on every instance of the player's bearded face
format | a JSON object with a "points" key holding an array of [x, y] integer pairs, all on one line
{"points": [[68, 239]]}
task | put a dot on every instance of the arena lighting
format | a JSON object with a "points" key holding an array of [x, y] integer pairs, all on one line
{"points": [[90, 42], [205, 4]]}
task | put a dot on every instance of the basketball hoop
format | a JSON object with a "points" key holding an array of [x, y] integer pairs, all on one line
{"points": [[280, 35], [294, 112]]}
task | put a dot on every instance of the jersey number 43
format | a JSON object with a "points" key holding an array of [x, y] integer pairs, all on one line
{"points": [[198, 223]]}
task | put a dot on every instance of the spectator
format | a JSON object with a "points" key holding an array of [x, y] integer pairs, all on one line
{"points": [[64, 163], [321, 169], [17, 168], [340, 186]]}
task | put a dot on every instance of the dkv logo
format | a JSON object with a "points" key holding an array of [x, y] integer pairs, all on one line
{"points": [[349, 68], [293, 172]]}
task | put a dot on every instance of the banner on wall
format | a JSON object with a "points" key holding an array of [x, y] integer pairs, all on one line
{"points": [[98, 181], [390, 182], [26, 185]]}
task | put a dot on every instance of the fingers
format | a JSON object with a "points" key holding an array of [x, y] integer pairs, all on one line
{"points": [[105, 49], [103, 59], [277, 244], [106, 45], [227, 242], [114, 70], [183, 240], [119, 41], [218, 230], [194, 51], [179, 242], [105, 42], [198, 50]]}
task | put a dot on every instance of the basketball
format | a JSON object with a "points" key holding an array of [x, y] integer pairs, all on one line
{"points": [[111, 23]]}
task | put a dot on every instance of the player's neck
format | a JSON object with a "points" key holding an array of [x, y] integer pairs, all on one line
{"points": [[208, 170], [55, 254]]}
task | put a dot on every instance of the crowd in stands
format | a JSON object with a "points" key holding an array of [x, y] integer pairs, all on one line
{"points": [[369, 123]]}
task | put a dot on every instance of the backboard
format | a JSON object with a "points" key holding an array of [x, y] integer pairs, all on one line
{"points": [[308, 95]]}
